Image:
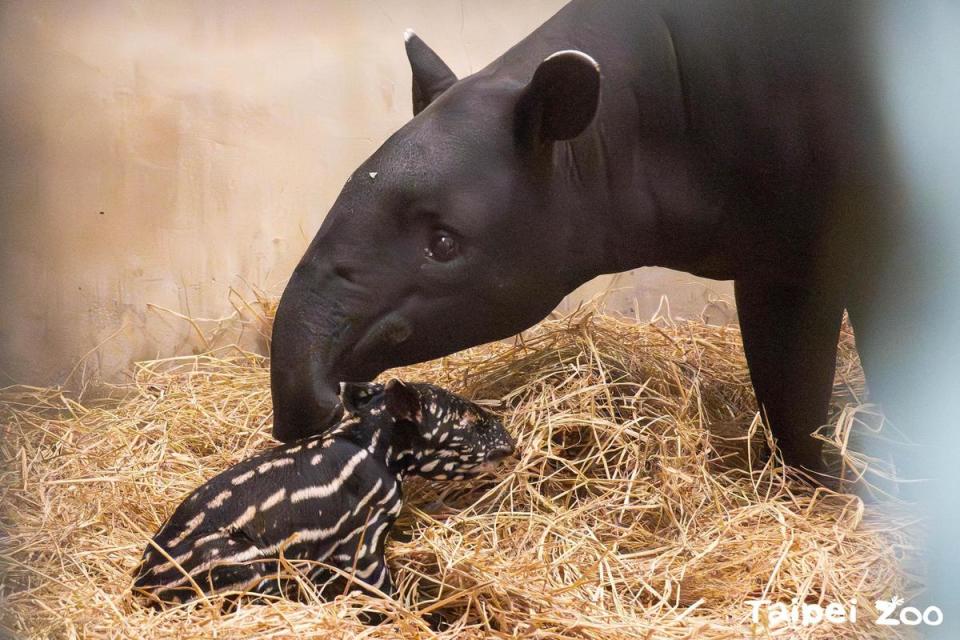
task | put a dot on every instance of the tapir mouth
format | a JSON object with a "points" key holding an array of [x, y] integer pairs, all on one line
{"points": [[389, 331], [370, 354], [361, 361]]}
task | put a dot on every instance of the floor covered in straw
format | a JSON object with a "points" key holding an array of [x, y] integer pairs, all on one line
{"points": [[645, 502]]}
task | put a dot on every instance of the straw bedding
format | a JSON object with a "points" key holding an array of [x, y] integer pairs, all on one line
{"points": [[632, 511]]}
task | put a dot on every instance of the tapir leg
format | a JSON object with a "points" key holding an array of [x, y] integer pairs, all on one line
{"points": [[790, 338]]}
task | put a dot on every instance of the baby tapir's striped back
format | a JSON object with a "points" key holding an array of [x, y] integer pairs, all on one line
{"points": [[330, 499]]}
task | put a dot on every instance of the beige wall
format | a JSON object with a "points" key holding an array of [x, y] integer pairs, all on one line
{"points": [[162, 152]]}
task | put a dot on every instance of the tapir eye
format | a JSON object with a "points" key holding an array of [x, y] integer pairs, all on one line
{"points": [[443, 247]]}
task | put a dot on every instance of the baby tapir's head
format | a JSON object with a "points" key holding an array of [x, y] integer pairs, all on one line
{"points": [[433, 433]]}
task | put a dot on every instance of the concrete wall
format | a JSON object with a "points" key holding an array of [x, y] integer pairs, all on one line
{"points": [[164, 152]]}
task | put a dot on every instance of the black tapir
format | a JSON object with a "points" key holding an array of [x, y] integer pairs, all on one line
{"points": [[733, 140], [328, 499]]}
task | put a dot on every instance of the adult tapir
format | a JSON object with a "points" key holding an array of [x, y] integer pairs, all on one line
{"points": [[733, 140]]}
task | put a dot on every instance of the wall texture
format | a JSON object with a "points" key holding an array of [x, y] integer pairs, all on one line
{"points": [[164, 152]]}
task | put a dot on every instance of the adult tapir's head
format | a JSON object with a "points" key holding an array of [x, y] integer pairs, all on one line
{"points": [[457, 231]]}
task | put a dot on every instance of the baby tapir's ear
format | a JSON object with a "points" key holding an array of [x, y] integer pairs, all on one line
{"points": [[354, 395], [403, 401]]}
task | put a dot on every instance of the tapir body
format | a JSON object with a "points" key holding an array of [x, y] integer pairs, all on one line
{"points": [[733, 140], [324, 502]]}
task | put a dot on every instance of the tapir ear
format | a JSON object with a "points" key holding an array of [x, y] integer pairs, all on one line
{"points": [[431, 76], [403, 401], [354, 395], [561, 99]]}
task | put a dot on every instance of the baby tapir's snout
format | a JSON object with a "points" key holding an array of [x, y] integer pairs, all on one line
{"points": [[324, 502]]}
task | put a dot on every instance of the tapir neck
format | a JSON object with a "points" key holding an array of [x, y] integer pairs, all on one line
{"points": [[375, 433], [629, 186]]}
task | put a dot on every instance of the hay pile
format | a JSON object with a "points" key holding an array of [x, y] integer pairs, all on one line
{"points": [[628, 515]]}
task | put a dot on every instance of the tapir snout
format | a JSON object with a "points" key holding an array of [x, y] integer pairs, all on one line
{"points": [[421, 254]]}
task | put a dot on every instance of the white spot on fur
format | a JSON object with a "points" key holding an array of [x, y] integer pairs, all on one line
{"points": [[244, 518], [366, 573], [247, 554], [374, 441], [374, 540], [324, 490], [366, 498], [273, 500], [274, 464], [166, 566], [192, 524], [243, 477], [388, 497], [311, 535], [219, 499], [207, 538]]}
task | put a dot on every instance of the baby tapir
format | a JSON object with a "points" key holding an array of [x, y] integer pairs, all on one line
{"points": [[330, 498]]}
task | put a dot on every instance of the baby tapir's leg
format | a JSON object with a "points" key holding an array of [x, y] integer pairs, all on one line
{"points": [[361, 553], [370, 570], [212, 563]]}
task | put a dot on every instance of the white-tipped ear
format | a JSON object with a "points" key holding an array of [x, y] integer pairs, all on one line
{"points": [[574, 52], [431, 76], [561, 100]]}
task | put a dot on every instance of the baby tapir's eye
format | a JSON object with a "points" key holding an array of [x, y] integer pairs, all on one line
{"points": [[443, 247]]}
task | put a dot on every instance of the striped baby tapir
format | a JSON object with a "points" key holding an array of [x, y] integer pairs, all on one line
{"points": [[326, 500]]}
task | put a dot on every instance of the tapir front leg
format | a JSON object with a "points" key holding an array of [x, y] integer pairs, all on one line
{"points": [[790, 338]]}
